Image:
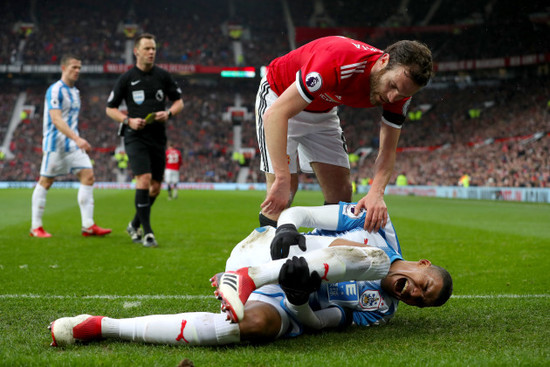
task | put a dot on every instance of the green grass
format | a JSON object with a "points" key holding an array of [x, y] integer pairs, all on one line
{"points": [[497, 253]]}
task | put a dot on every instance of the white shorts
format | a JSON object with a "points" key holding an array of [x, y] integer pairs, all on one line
{"points": [[171, 176], [274, 295], [59, 164], [312, 137]]}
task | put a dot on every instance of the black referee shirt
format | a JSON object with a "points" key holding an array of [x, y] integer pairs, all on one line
{"points": [[144, 92]]}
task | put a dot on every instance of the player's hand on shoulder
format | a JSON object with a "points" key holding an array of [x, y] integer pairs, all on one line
{"points": [[286, 235], [377, 212]]}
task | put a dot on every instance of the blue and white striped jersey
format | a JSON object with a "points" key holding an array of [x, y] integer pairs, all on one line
{"points": [[60, 96], [370, 304]]}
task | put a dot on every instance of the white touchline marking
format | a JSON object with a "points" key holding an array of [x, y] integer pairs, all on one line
{"points": [[107, 296], [184, 296], [489, 296]]}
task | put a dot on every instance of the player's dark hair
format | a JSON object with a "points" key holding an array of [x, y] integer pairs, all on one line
{"points": [[415, 56], [446, 289], [66, 57], [148, 36]]}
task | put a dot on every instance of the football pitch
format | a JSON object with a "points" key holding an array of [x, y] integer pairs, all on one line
{"points": [[497, 252]]}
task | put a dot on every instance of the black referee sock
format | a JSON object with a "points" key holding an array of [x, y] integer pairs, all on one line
{"points": [[265, 221], [143, 209], [136, 223]]}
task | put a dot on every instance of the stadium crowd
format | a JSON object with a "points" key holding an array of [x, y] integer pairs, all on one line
{"points": [[437, 149], [190, 33], [447, 140], [199, 32]]}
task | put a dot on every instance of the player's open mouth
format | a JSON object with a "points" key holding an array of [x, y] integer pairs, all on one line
{"points": [[401, 285]]}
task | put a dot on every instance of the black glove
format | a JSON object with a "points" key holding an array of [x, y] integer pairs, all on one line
{"points": [[296, 282], [285, 236]]}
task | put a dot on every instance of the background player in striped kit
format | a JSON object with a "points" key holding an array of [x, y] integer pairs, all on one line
{"points": [[64, 151]]}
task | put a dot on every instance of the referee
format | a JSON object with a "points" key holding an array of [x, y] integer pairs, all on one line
{"points": [[145, 89]]}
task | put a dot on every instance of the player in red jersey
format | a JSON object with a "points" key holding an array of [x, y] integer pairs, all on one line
{"points": [[296, 117], [172, 171]]}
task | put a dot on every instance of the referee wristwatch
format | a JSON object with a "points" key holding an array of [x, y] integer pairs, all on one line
{"points": [[125, 121], [170, 114]]}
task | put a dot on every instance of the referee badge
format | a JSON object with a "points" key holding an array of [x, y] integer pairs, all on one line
{"points": [[138, 96], [159, 95]]}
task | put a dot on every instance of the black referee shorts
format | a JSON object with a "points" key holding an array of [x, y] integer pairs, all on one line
{"points": [[145, 157]]}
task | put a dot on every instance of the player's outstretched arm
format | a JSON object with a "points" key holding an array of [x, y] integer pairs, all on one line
{"points": [[373, 202]]}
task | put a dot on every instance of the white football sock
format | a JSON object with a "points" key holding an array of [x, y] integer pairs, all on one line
{"points": [[86, 203], [190, 328], [38, 205], [333, 264]]}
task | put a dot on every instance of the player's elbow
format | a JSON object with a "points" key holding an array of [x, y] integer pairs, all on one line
{"points": [[277, 115]]}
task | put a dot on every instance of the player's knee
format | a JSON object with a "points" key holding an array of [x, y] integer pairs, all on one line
{"points": [[86, 177], [377, 256], [373, 256], [154, 190], [89, 180], [143, 181], [45, 182], [261, 322], [362, 263]]}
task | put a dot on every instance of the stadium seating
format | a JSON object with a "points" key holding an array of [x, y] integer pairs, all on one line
{"points": [[443, 143]]}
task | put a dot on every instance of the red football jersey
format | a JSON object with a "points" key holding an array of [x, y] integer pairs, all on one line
{"points": [[173, 159], [332, 71]]}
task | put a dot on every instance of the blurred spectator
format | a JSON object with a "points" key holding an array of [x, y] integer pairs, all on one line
{"points": [[454, 141]]}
